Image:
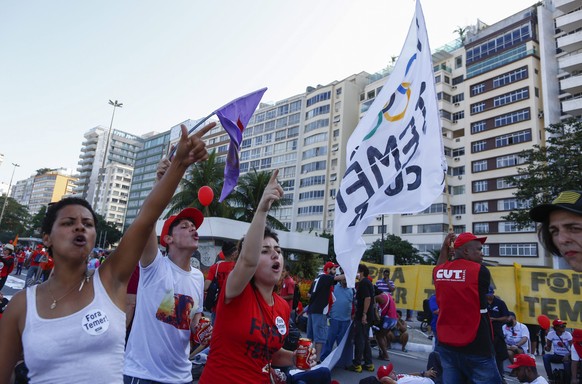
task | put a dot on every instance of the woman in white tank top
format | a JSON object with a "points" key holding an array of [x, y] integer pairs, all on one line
{"points": [[71, 328]]}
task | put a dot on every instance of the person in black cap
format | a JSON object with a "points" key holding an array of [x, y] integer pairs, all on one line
{"points": [[561, 227]]}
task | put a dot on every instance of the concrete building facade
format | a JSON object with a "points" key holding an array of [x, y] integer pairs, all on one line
{"points": [[105, 169], [40, 190]]}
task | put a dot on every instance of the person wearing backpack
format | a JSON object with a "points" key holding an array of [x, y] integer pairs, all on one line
{"points": [[217, 275]]}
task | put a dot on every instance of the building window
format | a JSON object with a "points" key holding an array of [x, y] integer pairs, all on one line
{"points": [[437, 79], [458, 80], [458, 62], [432, 228], [458, 97], [502, 183], [513, 138], [480, 186], [480, 207], [512, 118], [458, 115], [511, 97], [524, 249], [509, 160], [479, 146], [317, 98], [481, 228], [510, 204], [479, 166], [510, 77], [406, 229], [498, 43], [477, 89], [369, 230], [510, 226], [459, 209], [477, 107]]}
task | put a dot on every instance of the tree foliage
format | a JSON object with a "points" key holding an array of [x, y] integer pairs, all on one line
{"points": [[306, 265], [14, 220], [549, 170], [209, 173], [403, 251], [107, 233], [36, 221], [331, 256], [245, 198]]}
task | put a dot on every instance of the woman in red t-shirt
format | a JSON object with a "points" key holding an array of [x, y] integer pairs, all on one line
{"points": [[252, 321]]}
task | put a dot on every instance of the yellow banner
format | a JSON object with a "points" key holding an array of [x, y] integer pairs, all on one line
{"points": [[529, 292]]}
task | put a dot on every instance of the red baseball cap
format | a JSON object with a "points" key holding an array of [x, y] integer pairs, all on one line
{"points": [[558, 322], [385, 370], [187, 213], [522, 360], [466, 237], [329, 265]]}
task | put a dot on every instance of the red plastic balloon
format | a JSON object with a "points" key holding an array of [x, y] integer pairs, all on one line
{"points": [[205, 195], [544, 322]]}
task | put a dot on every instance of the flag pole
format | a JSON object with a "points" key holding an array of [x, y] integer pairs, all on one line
{"points": [[190, 131], [449, 212]]}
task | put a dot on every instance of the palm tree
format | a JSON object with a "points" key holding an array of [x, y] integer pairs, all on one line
{"points": [[245, 198], [210, 173], [461, 32]]}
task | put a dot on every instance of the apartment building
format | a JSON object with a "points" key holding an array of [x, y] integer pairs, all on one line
{"points": [[105, 169], [490, 95], [155, 147], [40, 190], [568, 36], [301, 136]]}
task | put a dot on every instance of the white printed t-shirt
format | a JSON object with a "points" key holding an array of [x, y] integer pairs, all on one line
{"points": [[558, 345], [168, 297]]}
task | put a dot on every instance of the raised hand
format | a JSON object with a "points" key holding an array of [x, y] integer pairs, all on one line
{"points": [[192, 149], [272, 192]]}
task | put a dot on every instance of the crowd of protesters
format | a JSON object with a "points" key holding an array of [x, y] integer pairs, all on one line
{"points": [[135, 314]]}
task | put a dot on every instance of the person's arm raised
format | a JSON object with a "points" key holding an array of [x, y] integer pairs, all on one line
{"points": [[151, 249], [445, 249], [248, 259], [118, 268]]}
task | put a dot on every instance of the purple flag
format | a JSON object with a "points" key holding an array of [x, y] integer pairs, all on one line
{"points": [[234, 117]]}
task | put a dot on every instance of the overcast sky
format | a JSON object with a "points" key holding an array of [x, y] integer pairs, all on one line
{"points": [[168, 61]]}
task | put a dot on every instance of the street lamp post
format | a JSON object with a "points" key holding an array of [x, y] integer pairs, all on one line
{"points": [[9, 186], [101, 177]]}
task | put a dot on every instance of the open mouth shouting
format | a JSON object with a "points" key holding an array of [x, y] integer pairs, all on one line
{"points": [[276, 267], [80, 240]]}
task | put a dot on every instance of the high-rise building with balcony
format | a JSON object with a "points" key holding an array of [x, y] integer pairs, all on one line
{"points": [[568, 33], [301, 136], [490, 91], [105, 169]]}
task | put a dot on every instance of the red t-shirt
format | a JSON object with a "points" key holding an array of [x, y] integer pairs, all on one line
{"points": [[223, 268], [288, 288], [34, 263], [239, 348]]}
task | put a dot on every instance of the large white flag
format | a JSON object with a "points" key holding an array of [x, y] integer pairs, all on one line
{"points": [[395, 161]]}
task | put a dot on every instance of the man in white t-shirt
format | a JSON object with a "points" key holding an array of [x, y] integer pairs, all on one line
{"points": [[169, 302], [387, 375], [524, 367], [576, 352], [516, 336], [560, 341]]}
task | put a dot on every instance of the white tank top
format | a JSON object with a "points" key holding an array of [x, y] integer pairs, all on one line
{"points": [[86, 346]]}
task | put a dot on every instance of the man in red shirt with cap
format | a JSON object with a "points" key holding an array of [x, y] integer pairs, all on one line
{"points": [[319, 294], [465, 339]]}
